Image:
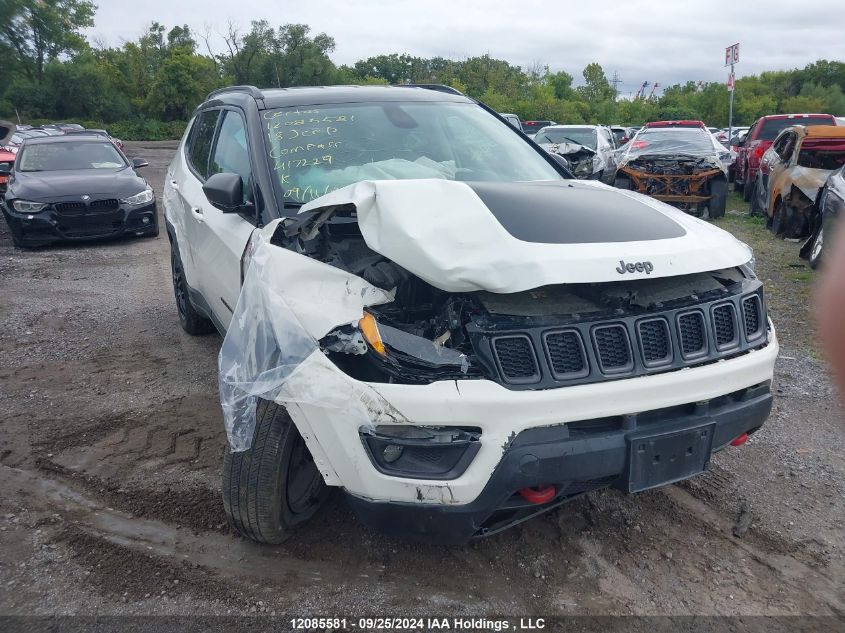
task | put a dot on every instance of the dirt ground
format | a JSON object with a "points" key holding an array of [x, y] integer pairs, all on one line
{"points": [[111, 445]]}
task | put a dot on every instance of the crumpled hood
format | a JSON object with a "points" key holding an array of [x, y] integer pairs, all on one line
{"points": [[510, 237], [566, 148], [809, 180]]}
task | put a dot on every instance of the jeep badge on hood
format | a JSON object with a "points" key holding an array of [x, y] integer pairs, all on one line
{"points": [[637, 267]]}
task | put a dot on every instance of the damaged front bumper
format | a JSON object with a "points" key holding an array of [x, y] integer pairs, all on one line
{"points": [[579, 436], [576, 458]]}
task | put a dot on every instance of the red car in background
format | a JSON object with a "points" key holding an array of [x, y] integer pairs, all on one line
{"points": [[682, 123], [760, 138], [7, 159]]}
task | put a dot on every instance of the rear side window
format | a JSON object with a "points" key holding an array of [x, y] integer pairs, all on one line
{"points": [[230, 151], [201, 138], [772, 127]]}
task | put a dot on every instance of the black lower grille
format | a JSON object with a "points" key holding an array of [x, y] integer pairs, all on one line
{"points": [[71, 208], [751, 316], [516, 358], [104, 205], [724, 326], [654, 341], [566, 354], [613, 347], [692, 334]]}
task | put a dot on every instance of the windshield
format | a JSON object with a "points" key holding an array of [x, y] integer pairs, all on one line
{"points": [[689, 141], [582, 136], [772, 127], [318, 149], [66, 156]]}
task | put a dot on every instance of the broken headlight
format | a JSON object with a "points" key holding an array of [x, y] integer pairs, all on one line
{"points": [[401, 347], [421, 452]]}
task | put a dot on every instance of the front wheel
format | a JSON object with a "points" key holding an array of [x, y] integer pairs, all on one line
{"points": [[756, 207], [817, 249], [191, 321], [747, 190], [275, 484], [718, 198]]}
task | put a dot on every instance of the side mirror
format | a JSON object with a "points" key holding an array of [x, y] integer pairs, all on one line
{"points": [[225, 191], [560, 160], [137, 163]]}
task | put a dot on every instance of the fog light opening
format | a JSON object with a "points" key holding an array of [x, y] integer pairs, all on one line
{"points": [[145, 220], [391, 453]]}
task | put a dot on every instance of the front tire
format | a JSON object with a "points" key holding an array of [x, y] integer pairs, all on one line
{"points": [[719, 198], [191, 321], [275, 484], [817, 249]]}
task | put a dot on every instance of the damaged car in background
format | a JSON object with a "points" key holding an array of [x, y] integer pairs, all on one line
{"points": [[587, 149], [824, 216], [681, 165], [791, 174], [457, 337]]}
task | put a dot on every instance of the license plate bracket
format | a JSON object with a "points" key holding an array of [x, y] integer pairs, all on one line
{"points": [[659, 459]]}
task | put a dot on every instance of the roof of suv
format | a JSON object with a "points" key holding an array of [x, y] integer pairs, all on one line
{"points": [[313, 95], [768, 117], [69, 138]]}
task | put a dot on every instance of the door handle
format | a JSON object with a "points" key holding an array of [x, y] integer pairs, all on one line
{"points": [[174, 184], [197, 213]]}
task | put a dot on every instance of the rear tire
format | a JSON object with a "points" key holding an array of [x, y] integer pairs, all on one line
{"points": [[719, 198], [275, 484], [191, 321], [817, 249], [747, 190]]}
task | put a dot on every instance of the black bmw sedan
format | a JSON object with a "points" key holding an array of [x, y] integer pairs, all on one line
{"points": [[76, 187]]}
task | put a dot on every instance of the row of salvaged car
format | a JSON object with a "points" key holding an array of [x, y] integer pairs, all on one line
{"points": [[678, 162], [789, 166]]}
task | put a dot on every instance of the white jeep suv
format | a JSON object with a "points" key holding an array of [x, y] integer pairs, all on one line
{"points": [[423, 308]]}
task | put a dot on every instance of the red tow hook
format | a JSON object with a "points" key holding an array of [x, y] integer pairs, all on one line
{"points": [[740, 440], [542, 494]]}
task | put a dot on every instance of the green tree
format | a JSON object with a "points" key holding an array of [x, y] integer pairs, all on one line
{"points": [[39, 31]]}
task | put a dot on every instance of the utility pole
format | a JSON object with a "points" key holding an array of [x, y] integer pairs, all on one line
{"points": [[731, 58], [615, 82]]}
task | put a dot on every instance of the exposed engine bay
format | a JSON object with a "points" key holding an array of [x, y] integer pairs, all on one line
{"points": [[538, 338], [581, 159], [683, 182]]}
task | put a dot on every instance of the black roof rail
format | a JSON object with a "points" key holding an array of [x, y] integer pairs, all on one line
{"points": [[254, 92], [438, 87]]}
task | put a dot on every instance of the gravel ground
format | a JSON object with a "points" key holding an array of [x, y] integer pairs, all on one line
{"points": [[111, 444]]}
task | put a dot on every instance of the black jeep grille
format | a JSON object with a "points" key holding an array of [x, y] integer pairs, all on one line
{"points": [[516, 358], [692, 333], [654, 341], [724, 325], [541, 356], [566, 353], [613, 347], [751, 316]]}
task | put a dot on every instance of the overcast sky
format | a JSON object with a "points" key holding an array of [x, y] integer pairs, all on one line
{"points": [[665, 41]]}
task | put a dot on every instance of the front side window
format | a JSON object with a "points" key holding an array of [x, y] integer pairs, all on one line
{"points": [[230, 152], [316, 149], [70, 156], [201, 137]]}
